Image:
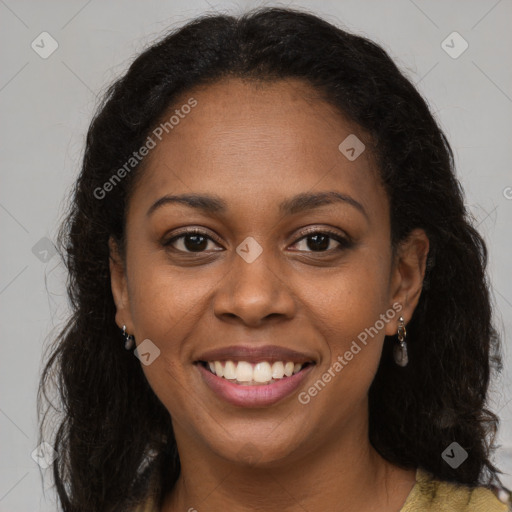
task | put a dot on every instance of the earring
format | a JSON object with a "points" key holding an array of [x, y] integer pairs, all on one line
{"points": [[129, 339], [400, 350]]}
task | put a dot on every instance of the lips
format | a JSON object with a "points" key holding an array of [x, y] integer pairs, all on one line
{"points": [[251, 354], [251, 396], [260, 378]]}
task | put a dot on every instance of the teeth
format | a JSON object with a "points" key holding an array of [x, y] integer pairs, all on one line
{"points": [[262, 372], [259, 373], [219, 370], [278, 370], [230, 370], [244, 371]]}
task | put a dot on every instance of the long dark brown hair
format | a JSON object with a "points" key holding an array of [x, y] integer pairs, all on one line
{"points": [[113, 431]]}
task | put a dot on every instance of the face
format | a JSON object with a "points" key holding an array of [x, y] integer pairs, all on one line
{"points": [[287, 260]]}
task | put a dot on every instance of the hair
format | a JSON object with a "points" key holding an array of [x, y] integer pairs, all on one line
{"points": [[114, 431]]}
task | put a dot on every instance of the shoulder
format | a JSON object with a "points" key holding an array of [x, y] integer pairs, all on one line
{"points": [[430, 494]]}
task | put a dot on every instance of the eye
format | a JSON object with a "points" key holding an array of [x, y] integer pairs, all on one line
{"points": [[196, 241], [321, 241], [193, 240]]}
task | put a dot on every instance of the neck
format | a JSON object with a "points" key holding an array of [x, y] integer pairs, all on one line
{"points": [[345, 474]]}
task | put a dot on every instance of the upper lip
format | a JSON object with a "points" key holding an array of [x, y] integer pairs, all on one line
{"points": [[252, 354]]}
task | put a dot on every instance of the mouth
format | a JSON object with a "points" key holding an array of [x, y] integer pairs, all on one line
{"points": [[253, 384], [262, 373], [252, 375]]}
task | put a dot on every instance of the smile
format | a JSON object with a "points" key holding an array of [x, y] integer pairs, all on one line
{"points": [[248, 392], [246, 373]]}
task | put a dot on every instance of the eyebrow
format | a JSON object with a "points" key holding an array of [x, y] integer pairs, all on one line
{"points": [[299, 203]]}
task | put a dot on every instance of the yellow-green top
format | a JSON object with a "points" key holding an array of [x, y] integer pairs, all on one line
{"points": [[431, 495]]}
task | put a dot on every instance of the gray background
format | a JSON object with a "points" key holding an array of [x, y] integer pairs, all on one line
{"points": [[46, 106]]}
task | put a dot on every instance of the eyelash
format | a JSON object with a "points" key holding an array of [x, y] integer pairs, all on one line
{"points": [[344, 243]]}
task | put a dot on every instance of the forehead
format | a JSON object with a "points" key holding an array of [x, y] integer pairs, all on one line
{"points": [[259, 140]]}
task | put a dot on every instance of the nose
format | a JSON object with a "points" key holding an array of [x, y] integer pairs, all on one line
{"points": [[254, 294]]}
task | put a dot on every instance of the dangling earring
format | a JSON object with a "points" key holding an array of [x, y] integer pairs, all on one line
{"points": [[129, 339], [400, 350]]}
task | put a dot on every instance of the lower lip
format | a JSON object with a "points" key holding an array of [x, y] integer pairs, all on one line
{"points": [[253, 396]]}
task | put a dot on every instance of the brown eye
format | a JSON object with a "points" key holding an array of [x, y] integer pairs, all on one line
{"points": [[322, 241], [190, 241]]}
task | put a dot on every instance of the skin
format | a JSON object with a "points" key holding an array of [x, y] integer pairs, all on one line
{"points": [[255, 145]]}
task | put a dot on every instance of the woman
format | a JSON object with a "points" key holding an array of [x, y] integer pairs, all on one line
{"points": [[267, 218]]}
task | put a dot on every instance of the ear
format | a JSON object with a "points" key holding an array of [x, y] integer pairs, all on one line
{"points": [[119, 287], [407, 276]]}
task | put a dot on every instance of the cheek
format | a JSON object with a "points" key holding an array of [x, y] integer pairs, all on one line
{"points": [[162, 309], [165, 310], [163, 301], [346, 309], [345, 303]]}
